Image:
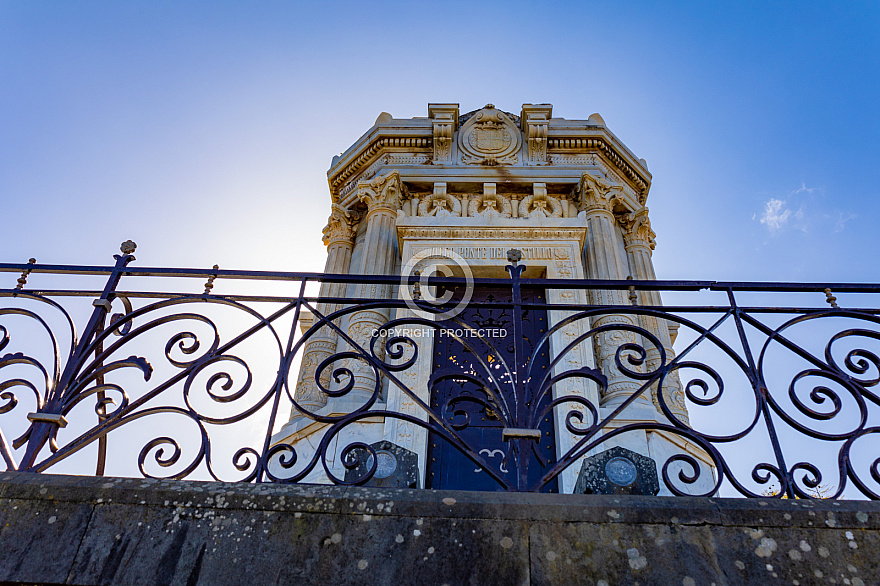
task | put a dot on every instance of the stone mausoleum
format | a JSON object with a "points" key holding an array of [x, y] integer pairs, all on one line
{"points": [[571, 198]]}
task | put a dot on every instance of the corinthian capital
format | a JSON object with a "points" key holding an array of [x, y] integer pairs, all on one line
{"points": [[341, 225], [382, 192], [597, 193], [637, 229]]}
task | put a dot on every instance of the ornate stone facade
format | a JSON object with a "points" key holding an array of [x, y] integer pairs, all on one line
{"points": [[566, 193]]}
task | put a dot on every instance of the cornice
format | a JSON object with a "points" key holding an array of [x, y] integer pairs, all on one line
{"points": [[413, 135], [376, 148], [577, 144]]}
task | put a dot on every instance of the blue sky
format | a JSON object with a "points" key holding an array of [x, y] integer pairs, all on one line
{"points": [[203, 131]]}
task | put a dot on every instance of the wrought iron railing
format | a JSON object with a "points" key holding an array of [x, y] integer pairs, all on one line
{"points": [[781, 400]]}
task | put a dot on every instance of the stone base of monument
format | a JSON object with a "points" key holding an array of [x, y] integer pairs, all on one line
{"points": [[618, 471], [397, 467]]}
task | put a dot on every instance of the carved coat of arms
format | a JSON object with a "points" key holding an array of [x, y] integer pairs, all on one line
{"points": [[489, 138]]}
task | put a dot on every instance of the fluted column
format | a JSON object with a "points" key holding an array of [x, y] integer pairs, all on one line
{"points": [[383, 198], [605, 259], [639, 243], [339, 239]]}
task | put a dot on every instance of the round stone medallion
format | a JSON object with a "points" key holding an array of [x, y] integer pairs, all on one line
{"points": [[386, 466], [621, 471]]}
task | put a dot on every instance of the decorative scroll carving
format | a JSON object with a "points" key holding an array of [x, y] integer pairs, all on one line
{"points": [[489, 137], [540, 205], [440, 203], [445, 119], [536, 124], [442, 142], [489, 205], [609, 152]]}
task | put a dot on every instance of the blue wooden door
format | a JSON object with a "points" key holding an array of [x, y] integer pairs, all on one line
{"points": [[448, 467]]}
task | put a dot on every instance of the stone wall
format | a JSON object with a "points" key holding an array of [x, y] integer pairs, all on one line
{"points": [[86, 530]]}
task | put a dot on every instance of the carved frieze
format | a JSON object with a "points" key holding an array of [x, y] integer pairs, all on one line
{"points": [[407, 159], [489, 137], [559, 159]]}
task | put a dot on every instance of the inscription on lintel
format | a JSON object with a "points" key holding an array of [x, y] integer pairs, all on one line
{"points": [[489, 252]]}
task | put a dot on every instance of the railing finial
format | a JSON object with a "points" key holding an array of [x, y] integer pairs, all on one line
{"points": [[633, 298], [831, 299], [128, 247], [22, 280], [210, 283]]}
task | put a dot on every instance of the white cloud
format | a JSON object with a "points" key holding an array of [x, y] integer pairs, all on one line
{"points": [[803, 188], [775, 215], [842, 219], [803, 209]]}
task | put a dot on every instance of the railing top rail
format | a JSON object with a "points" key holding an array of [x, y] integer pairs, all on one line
{"points": [[651, 285]]}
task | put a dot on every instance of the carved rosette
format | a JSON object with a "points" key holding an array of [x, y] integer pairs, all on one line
{"points": [[489, 137]]}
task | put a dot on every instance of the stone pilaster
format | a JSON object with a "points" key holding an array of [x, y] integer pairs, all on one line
{"points": [[383, 196], [639, 243], [604, 259], [339, 239]]}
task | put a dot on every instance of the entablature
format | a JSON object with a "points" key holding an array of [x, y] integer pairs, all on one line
{"points": [[488, 145]]}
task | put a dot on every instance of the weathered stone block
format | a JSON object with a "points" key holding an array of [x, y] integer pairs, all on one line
{"points": [[618, 471], [396, 467], [39, 538]]}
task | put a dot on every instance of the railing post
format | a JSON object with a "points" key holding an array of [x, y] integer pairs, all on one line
{"points": [[519, 434], [45, 422], [762, 394]]}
